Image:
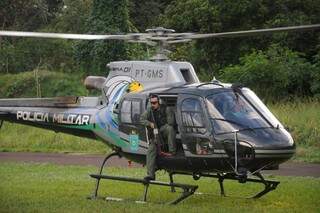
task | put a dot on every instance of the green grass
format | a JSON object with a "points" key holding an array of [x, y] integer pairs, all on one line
{"points": [[51, 188], [303, 120], [21, 138]]}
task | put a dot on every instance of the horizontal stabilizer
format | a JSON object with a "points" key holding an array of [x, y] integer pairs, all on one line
{"points": [[38, 102], [58, 102]]}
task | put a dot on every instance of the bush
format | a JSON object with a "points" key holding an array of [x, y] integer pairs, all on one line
{"points": [[315, 83], [277, 73], [51, 84]]}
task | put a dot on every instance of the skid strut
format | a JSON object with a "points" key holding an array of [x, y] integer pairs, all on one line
{"points": [[95, 193], [187, 190]]}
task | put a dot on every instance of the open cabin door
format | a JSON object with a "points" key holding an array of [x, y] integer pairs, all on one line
{"points": [[194, 125], [130, 128]]}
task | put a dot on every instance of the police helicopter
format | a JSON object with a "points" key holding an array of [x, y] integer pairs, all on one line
{"points": [[223, 131]]}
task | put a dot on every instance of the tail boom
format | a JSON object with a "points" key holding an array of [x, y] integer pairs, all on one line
{"points": [[72, 118]]}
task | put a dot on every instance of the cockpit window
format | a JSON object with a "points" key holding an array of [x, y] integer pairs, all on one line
{"points": [[230, 111], [192, 117]]}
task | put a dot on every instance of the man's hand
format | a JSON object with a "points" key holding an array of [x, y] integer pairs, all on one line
{"points": [[152, 125]]}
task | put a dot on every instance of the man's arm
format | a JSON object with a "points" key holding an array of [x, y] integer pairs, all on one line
{"points": [[144, 118]]}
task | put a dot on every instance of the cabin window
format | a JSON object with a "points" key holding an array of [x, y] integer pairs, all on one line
{"points": [[126, 112], [135, 111], [130, 111], [192, 117]]}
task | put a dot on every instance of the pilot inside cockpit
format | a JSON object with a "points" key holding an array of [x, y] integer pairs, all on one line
{"points": [[233, 108], [230, 111]]}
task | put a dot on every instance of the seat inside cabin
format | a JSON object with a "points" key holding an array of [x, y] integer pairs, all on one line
{"points": [[171, 103]]}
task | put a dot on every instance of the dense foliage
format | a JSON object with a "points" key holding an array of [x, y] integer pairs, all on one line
{"points": [[40, 83], [107, 16], [276, 66], [281, 73]]}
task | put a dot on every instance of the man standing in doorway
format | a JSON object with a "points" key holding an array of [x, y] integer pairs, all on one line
{"points": [[160, 121]]}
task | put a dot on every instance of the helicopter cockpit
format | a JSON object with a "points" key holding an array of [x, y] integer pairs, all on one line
{"points": [[208, 117], [229, 111]]}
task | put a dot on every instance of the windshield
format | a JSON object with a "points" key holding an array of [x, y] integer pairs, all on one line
{"points": [[230, 111], [253, 98]]}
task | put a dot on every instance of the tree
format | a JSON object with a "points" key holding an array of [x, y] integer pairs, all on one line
{"points": [[27, 15], [72, 16], [18, 54], [206, 16], [146, 14], [107, 17]]}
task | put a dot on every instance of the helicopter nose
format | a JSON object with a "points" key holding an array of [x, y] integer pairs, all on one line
{"points": [[278, 149], [269, 139], [260, 149]]}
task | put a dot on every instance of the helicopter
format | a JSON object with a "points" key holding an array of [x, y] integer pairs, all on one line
{"points": [[223, 130]]}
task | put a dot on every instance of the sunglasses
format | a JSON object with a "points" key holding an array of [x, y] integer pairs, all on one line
{"points": [[154, 102]]}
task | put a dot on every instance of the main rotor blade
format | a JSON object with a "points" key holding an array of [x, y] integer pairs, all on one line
{"points": [[159, 37], [253, 32], [64, 36]]}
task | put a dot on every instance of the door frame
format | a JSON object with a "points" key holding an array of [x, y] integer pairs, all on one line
{"points": [[189, 140]]}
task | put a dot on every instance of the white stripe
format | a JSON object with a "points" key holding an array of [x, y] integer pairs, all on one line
{"points": [[275, 151], [274, 156]]}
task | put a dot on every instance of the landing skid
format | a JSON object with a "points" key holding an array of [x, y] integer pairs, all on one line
{"points": [[187, 190], [269, 185]]}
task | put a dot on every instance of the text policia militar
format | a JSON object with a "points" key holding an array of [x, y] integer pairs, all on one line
{"points": [[60, 118]]}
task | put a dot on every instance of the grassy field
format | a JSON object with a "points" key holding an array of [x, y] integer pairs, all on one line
{"points": [[52, 188], [303, 121], [302, 118], [21, 138]]}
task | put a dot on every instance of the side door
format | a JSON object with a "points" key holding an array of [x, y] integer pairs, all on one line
{"points": [[194, 125], [130, 129]]}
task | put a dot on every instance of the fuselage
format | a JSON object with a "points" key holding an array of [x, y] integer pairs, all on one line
{"points": [[204, 145], [218, 126]]}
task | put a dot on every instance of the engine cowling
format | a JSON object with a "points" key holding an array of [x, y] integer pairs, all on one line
{"points": [[95, 82]]}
